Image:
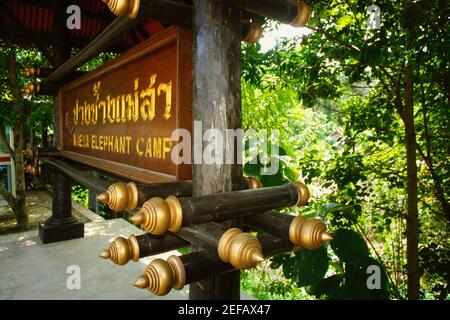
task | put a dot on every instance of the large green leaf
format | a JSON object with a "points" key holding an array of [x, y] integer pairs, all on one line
{"points": [[330, 287], [356, 278], [273, 180], [252, 169], [307, 267], [350, 247]]}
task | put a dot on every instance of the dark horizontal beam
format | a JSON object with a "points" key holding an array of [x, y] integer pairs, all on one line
{"points": [[48, 4], [82, 177], [101, 43], [285, 11]]}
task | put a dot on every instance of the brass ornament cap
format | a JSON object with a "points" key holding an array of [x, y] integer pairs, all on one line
{"points": [[242, 250], [34, 87], [303, 193], [120, 196], [178, 270], [303, 15], [254, 33], [154, 216], [176, 213], [308, 233], [253, 183], [160, 277], [35, 171], [123, 7], [26, 72], [122, 250]]}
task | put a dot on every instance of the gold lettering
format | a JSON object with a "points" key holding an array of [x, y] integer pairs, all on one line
{"points": [[148, 148], [149, 104], [110, 105], [167, 146], [135, 113], [128, 138], [124, 118], [81, 108], [122, 144], [100, 142], [75, 114], [102, 105], [157, 147], [94, 141], [167, 88], [117, 115], [87, 113], [138, 142], [110, 144]]}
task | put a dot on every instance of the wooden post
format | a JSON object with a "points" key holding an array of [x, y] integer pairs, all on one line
{"points": [[61, 225], [217, 104]]}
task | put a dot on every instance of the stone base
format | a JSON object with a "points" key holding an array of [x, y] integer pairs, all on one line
{"points": [[49, 232]]}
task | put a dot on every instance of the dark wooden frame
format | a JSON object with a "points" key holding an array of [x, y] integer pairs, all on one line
{"points": [[183, 38]]}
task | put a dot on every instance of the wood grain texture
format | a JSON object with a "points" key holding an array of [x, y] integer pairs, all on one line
{"points": [[217, 104], [120, 117]]}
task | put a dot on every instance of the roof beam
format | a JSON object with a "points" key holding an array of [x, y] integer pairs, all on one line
{"points": [[48, 4], [101, 43], [286, 11]]}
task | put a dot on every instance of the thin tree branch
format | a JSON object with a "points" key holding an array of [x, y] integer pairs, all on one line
{"points": [[6, 145]]}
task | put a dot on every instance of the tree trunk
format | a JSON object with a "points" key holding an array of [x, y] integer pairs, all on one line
{"points": [[412, 225], [20, 199]]}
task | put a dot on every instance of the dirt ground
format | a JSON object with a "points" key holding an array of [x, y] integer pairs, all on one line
{"points": [[39, 205]]}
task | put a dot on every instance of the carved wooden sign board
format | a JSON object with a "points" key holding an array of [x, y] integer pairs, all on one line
{"points": [[120, 117]]}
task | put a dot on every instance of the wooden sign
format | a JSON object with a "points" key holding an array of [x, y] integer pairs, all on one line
{"points": [[120, 117]]}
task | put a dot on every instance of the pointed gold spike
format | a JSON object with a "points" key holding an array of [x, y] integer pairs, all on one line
{"points": [[141, 282], [103, 197], [257, 257], [137, 218], [326, 237], [105, 254]]}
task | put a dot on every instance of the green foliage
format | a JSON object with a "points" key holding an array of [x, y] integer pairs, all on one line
{"points": [[350, 247], [336, 96], [80, 194]]}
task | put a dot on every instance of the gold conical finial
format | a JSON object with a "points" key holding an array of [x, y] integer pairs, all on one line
{"points": [[326, 237], [242, 250], [105, 254], [122, 250], [137, 218], [257, 257], [141, 282], [120, 196], [103, 197], [303, 193], [123, 7], [157, 215], [253, 183], [161, 276], [308, 233], [303, 14]]}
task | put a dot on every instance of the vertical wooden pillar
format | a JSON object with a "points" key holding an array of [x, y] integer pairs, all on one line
{"points": [[216, 104], [61, 225]]}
